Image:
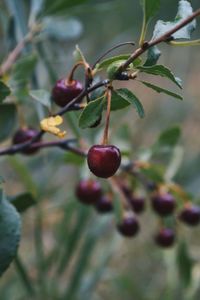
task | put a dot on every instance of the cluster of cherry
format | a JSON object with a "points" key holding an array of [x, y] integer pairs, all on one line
{"points": [[90, 192], [103, 161]]}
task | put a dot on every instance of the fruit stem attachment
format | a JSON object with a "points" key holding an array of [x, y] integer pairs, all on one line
{"points": [[105, 134], [70, 77]]}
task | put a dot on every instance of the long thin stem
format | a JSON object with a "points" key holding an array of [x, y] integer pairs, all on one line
{"points": [[105, 134]]}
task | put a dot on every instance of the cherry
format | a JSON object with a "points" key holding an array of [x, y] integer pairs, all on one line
{"points": [[103, 160], [88, 191], [163, 204], [65, 91], [165, 237], [23, 135], [190, 215], [104, 204], [129, 226], [137, 203]]}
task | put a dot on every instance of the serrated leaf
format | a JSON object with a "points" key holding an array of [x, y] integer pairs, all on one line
{"points": [[123, 57], [184, 264], [150, 7], [8, 116], [42, 96], [91, 113], [132, 99], [23, 201], [10, 231], [184, 10], [153, 55], [161, 90], [168, 138], [161, 71], [4, 91]]}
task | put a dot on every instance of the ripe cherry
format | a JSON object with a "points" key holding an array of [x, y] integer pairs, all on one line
{"points": [[129, 226], [137, 203], [104, 204], [190, 215], [104, 160], [65, 91], [165, 237], [23, 135], [88, 191], [163, 204]]}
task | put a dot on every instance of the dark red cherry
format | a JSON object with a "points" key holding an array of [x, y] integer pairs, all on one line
{"points": [[190, 215], [64, 92], [129, 226], [23, 135], [137, 203], [163, 204], [165, 237], [88, 191], [104, 160], [104, 204]]}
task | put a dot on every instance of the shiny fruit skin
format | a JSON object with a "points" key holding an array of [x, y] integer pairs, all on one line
{"points": [[23, 135], [63, 92], [163, 204], [165, 238], [129, 226], [104, 160], [190, 215], [137, 203], [104, 204], [88, 191]]}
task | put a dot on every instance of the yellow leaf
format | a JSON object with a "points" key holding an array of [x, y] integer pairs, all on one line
{"points": [[50, 125]]}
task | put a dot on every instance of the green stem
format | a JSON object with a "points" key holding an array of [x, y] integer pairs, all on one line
{"points": [[143, 33], [185, 43], [22, 272]]}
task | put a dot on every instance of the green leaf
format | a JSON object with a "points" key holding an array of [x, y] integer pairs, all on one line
{"points": [[154, 173], [161, 90], [184, 10], [23, 201], [153, 55], [61, 29], [184, 263], [114, 59], [117, 102], [10, 231], [43, 96], [8, 114], [78, 55], [150, 7], [23, 69], [4, 91], [91, 113], [74, 159], [161, 71], [168, 138], [132, 99]]}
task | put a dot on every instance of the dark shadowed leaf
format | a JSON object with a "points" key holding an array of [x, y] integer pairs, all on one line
{"points": [[8, 113], [4, 91], [161, 90], [10, 231], [161, 70], [91, 113], [23, 201]]}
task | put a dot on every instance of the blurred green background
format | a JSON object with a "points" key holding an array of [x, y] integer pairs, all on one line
{"points": [[68, 249]]}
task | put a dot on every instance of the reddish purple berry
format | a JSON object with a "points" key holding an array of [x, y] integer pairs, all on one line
{"points": [[64, 92], [137, 203], [88, 191], [165, 237], [104, 160], [163, 204], [190, 215], [129, 226], [23, 135], [104, 204]]}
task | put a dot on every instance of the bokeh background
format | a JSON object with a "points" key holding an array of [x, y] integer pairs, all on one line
{"points": [[68, 249]]}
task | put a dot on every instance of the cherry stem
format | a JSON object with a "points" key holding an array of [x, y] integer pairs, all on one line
{"points": [[105, 134], [70, 77]]}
